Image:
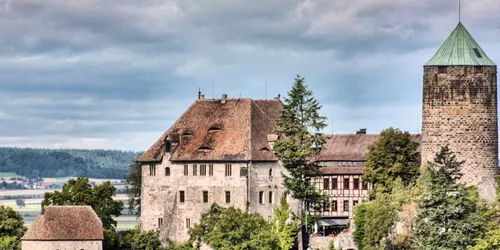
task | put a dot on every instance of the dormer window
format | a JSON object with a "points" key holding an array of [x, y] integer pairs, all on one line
{"points": [[167, 171], [442, 69], [205, 148], [187, 134], [264, 149], [168, 147], [215, 128], [478, 54]]}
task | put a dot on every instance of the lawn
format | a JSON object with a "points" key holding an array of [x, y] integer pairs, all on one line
{"points": [[8, 174]]}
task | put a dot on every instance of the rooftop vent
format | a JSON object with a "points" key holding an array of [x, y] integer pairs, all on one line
{"points": [[361, 131]]}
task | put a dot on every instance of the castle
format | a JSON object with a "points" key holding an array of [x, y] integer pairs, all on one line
{"points": [[221, 150], [460, 109]]}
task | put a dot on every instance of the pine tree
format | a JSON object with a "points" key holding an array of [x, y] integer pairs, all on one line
{"points": [[449, 216], [297, 146]]}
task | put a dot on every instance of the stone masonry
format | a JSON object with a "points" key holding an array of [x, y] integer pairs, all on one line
{"points": [[460, 110]]}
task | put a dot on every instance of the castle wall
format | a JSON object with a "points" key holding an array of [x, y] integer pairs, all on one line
{"points": [[265, 177], [460, 110]]}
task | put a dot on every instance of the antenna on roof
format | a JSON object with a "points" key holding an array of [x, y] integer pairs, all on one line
{"points": [[213, 90], [459, 9]]}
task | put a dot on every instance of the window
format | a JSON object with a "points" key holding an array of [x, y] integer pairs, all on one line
{"points": [[270, 174], [326, 184], [364, 185], [243, 171], [167, 171], [211, 170], [152, 169], [354, 203], [261, 197], [334, 183], [228, 169], [356, 183], [205, 196], [195, 171], [203, 170], [346, 183], [228, 197], [186, 169], [346, 205], [188, 223], [160, 222], [271, 198], [442, 70], [478, 54], [326, 207], [181, 196], [334, 206], [478, 69]]}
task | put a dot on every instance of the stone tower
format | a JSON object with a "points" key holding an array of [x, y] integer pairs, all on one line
{"points": [[460, 109]]}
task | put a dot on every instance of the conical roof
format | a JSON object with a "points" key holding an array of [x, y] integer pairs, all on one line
{"points": [[460, 49]]}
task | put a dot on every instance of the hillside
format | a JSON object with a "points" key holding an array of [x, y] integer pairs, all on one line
{"points": [[66, 162]]}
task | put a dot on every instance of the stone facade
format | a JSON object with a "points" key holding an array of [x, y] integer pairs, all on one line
{"points": [[253, 187], [460, 110], [61, 245]]}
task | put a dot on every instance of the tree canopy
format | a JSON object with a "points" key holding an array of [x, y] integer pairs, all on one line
{"points": [[297, 145], [96, 163], [449, 216], [284, 224], [134, 180], [394, 155], [11, 228], [232, 229], [80, 192]]}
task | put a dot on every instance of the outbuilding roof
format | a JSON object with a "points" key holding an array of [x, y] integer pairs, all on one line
{"points": [[460, 49], [65, 223]]}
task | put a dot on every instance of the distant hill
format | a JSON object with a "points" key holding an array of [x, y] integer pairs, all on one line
{"points": [[90, 163]]}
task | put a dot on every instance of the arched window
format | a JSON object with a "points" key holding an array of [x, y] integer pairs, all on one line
{"points": [[167, 171], [270, 173]]}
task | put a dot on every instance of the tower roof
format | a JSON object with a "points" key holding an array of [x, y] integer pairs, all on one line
{"points": [[460, 49]]}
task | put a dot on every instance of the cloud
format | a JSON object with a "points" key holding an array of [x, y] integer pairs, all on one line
{"points": [[117, 73]]}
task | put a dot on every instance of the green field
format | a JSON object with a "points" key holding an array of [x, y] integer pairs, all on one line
{"points": [[7, 174], [33, 204]]}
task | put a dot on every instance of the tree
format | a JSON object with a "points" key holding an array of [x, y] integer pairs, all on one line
{"points": [[394, 155], [284, 225], [80, 192], [20, 203], [449, 216], [231, 229], [134, 188], [11, 228], [296, 146]]}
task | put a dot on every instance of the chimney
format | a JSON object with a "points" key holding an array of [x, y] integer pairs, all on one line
{"points": [[202, 97], [361, 131], [224, 98]]}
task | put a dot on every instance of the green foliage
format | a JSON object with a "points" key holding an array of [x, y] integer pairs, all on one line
{"points": [[395, 155], [134, 239], [11, 228], [148, 240], [80, 192], [134, 188], [449, 216], [231, 229], [284, 224], [359, 222], [35, 163], [20, 203], [491, 241], [296, 146]]}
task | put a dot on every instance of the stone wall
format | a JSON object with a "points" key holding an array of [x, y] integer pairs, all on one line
{"points": [[61, 245], [460, 110]]}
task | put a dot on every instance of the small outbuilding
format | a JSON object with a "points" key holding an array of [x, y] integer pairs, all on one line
{"points": [[64, 228]]}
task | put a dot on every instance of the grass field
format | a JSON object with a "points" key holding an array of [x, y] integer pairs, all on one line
{"points": [[7, 174], [33, 205]]}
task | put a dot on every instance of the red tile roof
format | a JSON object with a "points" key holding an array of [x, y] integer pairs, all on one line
{"points": [[349, 147], [210, 130], [65, 223]]}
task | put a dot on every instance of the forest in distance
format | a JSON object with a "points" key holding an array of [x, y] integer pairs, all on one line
{"points": [[91, 163]]}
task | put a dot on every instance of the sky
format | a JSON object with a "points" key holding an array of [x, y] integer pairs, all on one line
{"points": [[115, 74]]}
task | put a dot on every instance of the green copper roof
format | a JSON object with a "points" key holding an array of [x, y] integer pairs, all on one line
{"points": [[460, 49]]}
